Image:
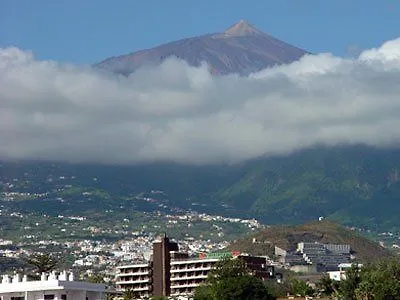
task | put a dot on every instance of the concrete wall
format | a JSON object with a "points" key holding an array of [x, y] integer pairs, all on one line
{"points": [[306, 269]]}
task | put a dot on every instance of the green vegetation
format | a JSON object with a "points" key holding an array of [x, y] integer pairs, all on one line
{"points": [[326, 286], [130, 295], [300, 288], [96, 279], [343, 183], [8, 264], [379, 280], [230, 280], [112, 225], [324, 231], [43, 262], [356, 186], [348, 287]]}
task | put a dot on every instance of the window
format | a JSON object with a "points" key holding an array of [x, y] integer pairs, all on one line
{"points": [[63, 297], [17, 298], [48, 297]]}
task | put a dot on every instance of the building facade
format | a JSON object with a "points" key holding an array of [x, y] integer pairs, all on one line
{"points": [[161, 266], [138, 277], [50, 287], [173, 273], [326, 257]]}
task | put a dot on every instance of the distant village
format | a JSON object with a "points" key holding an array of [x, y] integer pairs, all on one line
{"points": [[133, 260], [143, 262]]}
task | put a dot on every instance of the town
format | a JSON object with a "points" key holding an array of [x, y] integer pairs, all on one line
{"points": [[141, 269], [116, 241]]}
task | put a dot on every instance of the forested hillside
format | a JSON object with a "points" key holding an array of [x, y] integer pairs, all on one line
{"points": [[354, 185]]}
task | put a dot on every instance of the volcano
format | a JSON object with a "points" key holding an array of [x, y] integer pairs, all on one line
{"points": [[241, 49]]}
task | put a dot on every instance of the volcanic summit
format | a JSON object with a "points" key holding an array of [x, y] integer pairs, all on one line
{"points": [[242, 49]]}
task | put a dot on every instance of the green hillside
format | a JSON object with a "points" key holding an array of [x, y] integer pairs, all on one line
{"points": [[355, 185], [287, 237]]}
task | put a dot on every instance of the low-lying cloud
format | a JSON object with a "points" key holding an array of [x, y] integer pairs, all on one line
{"points": [[178, 113]]}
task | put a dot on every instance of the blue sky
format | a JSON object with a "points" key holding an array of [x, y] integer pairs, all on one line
{"points": [[88, 31]]}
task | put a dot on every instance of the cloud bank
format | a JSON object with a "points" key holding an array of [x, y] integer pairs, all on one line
{"points": [[178, 113]]}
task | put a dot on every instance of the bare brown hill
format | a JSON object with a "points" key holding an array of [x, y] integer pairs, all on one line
{"points": [[287, 237]]}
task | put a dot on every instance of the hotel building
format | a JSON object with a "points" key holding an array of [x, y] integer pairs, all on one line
{"points": [[172, 273]]}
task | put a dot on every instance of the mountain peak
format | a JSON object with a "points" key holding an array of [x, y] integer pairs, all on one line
{"points": [[243, 28], [241, 49]]}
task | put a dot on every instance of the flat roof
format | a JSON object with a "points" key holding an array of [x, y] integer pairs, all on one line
{"points": [[40, 285]]}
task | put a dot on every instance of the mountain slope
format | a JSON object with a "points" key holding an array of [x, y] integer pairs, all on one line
{"points": [[355, 185], [327, 232], [240, 49], [358, 186]]}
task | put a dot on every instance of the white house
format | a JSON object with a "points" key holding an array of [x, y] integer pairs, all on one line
{"points": [[341, 273], [50, 286]]}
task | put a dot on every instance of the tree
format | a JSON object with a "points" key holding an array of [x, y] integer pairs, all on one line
{"points": [[326, 286], [130, 295], [226, 268], [204, 292], [348, 287], [242, 287], [230, 280], [96, 279], [278, 290], [380, 281], [43, 262], [300, 287]]}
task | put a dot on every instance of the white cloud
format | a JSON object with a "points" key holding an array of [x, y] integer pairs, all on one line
{"points": [[180, 113]]}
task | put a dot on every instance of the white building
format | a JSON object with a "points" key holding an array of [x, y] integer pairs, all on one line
{"points": [[341, 273], [187, 275], [50, 286], [136, 277]]}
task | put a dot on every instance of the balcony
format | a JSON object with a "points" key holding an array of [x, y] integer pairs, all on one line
{"points": [[134, 281], [191, 269], [134, 273], [135, 289], [189, 277], [185, 286]]}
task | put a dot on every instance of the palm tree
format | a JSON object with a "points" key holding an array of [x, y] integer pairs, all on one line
{"points": [[43, 262]]}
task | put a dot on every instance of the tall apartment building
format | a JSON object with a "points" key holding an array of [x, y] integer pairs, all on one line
{"points": [[137, 277], [172, 273]]}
